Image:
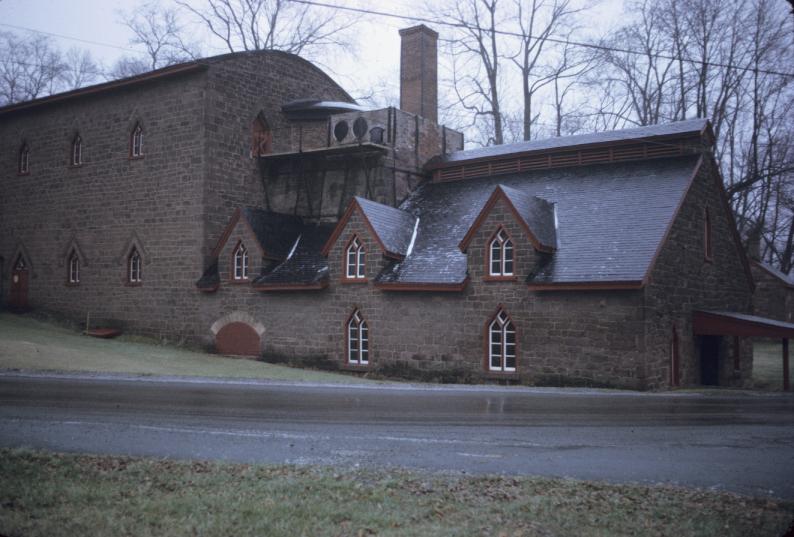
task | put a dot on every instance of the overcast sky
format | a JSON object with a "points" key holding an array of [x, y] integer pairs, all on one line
{"points": [[94, 25]]}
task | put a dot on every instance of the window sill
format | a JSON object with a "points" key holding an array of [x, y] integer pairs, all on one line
{"points": [[354, 280], [502, 374], [347, 366], [708, 259], [135, 157], [240, 282], [490, 278], [23, 173], [75, 166], [132, 284], [72, 284]]}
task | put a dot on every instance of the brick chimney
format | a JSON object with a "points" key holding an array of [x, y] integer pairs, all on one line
{"points": [[418, 72]]}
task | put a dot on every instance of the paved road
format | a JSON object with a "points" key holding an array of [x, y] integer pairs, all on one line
{"points": [[741, 443]]}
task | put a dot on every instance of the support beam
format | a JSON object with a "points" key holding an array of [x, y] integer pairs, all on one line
{"points": [[786, 386]]}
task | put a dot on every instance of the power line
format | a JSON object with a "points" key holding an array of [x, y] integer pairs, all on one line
{"points": [[61, 36], [583, 44]]}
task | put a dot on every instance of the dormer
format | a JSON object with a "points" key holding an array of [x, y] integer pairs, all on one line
{"points": [[511, 234]]}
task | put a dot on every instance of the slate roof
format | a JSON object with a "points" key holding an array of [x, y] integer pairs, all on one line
{"points": [[393, 227], [210, 279], [678, 128], [537, 213], [275, 232], [306, 265], [788, 279], [611, 220]]}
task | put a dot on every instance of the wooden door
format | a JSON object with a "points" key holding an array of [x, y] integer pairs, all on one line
{"points": [[18, 292]]}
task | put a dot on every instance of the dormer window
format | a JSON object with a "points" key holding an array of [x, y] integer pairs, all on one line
{"points": [[501, 343], [77, 151], [134, 274], [240, 263], [356, 257], [74, 268], [136, 141], [501, 254], [24, 159]]}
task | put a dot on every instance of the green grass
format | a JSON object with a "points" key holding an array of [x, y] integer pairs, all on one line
{"points": [[768, 365], [31, 344], [44, 494]]}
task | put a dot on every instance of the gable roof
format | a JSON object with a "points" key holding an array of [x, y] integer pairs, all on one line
{"points": [[304, 266], [274, 232], [678, 129], [612, 219], [535, 215], [392, 228], [786, 279]]}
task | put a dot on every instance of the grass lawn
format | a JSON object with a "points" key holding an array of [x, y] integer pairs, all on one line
{"points": [[30, 344], [768, 364], [44, 494]]}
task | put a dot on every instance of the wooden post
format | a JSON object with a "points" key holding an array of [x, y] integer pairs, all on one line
{"points": [[786, 386]]}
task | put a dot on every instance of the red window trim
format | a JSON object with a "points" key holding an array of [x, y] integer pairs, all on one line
{"points": [[232, 279], [487, 276], [346, 364], [487, 346], [708, 236], [345, 279], [131, 155]]}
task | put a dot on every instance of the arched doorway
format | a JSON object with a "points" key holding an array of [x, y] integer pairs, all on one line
{"points": [[239, 339], [18, 291]]}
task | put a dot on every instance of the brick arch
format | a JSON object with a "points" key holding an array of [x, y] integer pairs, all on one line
{"points": [[238, 333]]}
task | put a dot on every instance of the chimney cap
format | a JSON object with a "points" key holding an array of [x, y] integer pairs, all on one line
{"points": [[419, 28]]}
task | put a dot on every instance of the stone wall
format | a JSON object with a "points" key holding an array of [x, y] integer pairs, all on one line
{"points": [[773, 297], [684, 280]]}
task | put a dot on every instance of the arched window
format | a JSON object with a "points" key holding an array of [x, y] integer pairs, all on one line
{"points": [[357, 340], [77, 150], [261, 137], [501, 254], [356, 258], [74, 268], [240, 262], [24, 159], [136, 141], [707, 244], [501, 343], [134, 274]]}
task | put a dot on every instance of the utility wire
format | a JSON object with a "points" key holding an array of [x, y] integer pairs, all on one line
{"points": [[583, 44], [87, 41]]}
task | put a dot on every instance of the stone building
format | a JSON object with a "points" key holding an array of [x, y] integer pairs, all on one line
{"points": [[247, 203], [774, 292]]}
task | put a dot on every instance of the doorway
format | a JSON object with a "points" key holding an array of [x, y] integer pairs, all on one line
{"points": [[710, 360], [18, 292]]}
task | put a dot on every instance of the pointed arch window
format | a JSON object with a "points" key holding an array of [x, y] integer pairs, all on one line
{"points": [[24, 159], [134, 267], [708, 248], [136, 141], [357, 340], [355, 260], [261, 137], [74, 268], [240, 262], [501, 343], [77, 151], [500, 259]]}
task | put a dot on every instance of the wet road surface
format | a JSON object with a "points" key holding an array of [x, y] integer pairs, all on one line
{"points": [[741, 443]]}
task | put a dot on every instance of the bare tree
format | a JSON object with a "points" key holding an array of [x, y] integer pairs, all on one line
{"points": [[537, 21], [29, 68], [272, 24], [160, 32], [81, 69], [475, 52]]}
